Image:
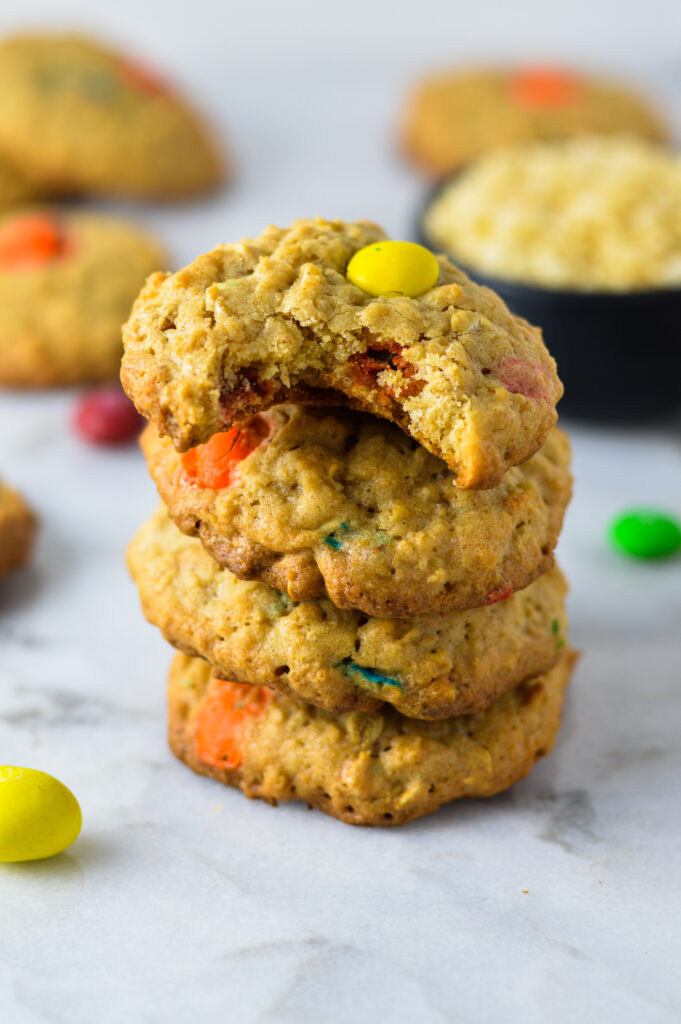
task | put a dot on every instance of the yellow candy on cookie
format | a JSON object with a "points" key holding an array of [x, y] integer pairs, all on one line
{"points": [[39, 816], [393, 268]]}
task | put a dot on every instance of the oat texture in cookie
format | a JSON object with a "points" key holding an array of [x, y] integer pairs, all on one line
{"points": [[376, 768], [336, 503], [17, 530], [83, 118], [428, 666], [276, 319], [67, 281], [451, 118]]}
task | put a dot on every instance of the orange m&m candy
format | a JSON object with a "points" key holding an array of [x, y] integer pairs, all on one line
{"points": [[544, 88], [142, 79], [30, 241], [221, 718], [213, 464]]}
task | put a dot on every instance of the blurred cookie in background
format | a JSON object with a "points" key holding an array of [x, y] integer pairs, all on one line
{"points": [[15, 186], [83, 119], [17, 530], [67, 281], [455, 116]]}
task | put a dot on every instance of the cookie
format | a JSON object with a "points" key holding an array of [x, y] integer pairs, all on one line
{"points": [[376, 768], [15, 187], [343, 505], [275, 319], [83, 118], [451, 118], [17, 530], [428, 666], [67, 281]]}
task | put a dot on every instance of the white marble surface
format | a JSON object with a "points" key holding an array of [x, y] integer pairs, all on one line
{"points": [[184, 902]]}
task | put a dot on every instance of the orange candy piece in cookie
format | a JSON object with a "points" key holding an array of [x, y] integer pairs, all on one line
{"points": [[544, 88], [30, 241], [214, 464], [142, 79], [220, 721]]}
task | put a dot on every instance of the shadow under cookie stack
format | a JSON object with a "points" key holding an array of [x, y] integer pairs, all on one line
{"points": [[361, 585]]}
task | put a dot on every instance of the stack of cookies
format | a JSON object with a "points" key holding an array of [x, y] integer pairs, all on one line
{"points": [[362, 583]]}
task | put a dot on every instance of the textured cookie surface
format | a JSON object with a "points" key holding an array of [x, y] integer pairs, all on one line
{"points": [[275, 319], [428, 666], [17, 530], [340, 504], [451, 118], [67, 281], [378, 768], [83, 118]]}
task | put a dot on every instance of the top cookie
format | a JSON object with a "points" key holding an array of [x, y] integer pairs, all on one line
{"points": [[452, 118], [275, 319], [83, 118]]}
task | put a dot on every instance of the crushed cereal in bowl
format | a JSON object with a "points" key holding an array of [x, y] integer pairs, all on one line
{"points": [[584, 214]]}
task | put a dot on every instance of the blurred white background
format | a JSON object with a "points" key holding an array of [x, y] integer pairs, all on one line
{"points": [[307, 94]]}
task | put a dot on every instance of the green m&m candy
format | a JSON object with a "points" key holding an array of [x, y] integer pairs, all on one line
{"points": [[646, 533]]}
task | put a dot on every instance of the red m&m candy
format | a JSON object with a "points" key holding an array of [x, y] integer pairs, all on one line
{"points": [[107, 416]]}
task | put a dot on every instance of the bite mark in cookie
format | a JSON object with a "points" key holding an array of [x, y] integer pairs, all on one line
{"points": [[276, 319]]}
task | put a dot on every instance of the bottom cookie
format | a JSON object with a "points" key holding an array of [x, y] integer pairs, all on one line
{"points": [[366, 768], [17, 530]]}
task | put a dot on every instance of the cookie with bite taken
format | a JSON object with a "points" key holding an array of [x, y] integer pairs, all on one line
{"points": [[327, 312]]}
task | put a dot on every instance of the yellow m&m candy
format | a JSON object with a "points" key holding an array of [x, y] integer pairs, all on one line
{"points": [[39, 816], [393, 268]]}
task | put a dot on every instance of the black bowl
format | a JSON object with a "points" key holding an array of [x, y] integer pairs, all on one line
{"points": [[618, 353]]}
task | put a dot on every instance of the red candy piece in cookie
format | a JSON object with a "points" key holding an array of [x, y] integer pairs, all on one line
{"points": [[522, 377], [364, 368], [106, 416], [30, 241], [221, 718], [214, 464], [498, 595], [544, 88]]}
